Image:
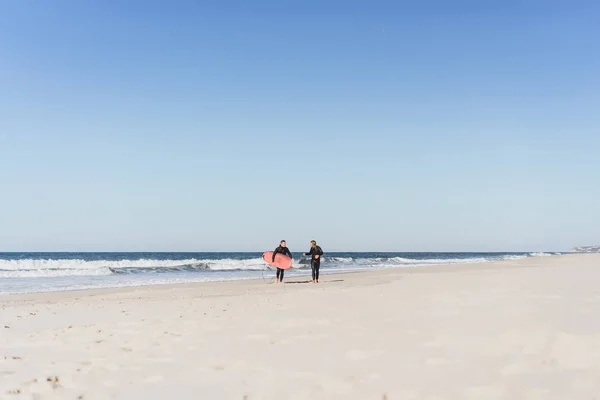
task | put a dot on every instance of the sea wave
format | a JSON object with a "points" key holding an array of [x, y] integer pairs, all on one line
{"points": [[391, 262], [32, 268], [39, 268], [541, 254]]}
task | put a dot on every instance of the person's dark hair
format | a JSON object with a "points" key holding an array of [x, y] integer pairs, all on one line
{"points": [[282, 241]]}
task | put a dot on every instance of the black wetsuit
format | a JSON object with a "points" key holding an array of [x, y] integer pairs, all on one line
{"points": [[286, 252], [315, 262]]}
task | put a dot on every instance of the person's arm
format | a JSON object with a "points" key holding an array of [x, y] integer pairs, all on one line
{"points": [[289, 253], [309, 253], [274, 253]]}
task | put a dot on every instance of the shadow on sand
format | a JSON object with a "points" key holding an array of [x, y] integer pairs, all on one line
{"points": [[301, 282]]}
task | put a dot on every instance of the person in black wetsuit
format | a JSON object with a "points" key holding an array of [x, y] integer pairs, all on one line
{"points": [[316, 252], [282, 249]]}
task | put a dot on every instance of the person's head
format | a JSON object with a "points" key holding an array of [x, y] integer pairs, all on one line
{"points": [[282, 243], [313, 243]]}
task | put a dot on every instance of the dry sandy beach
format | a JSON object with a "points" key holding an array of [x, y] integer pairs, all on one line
{"points": [[526, 329]]}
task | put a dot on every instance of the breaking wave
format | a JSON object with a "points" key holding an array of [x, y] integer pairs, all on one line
{"points": [[231, 263], [32, 268]]}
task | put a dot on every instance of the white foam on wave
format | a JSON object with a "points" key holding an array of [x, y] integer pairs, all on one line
{"points": [[54, 268], [513, 257], [233, 264], [540, 254], [439, 261], [32, 268], [339, 259], [44, 264], [383, 262]]}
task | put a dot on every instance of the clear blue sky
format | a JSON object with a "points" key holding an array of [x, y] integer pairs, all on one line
{"points": [[222, 125]]}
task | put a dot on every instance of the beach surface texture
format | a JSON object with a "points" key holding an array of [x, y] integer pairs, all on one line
{"points": [[516, 329]]}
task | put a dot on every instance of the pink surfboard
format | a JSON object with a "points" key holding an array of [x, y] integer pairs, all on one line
{"points": [[281, 261]]}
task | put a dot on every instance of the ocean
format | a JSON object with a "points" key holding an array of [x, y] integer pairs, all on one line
{"points": [[41, 272]]}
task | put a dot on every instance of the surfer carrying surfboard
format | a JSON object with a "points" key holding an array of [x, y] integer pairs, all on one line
{"points": [[282, 249], [316, 252]]}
